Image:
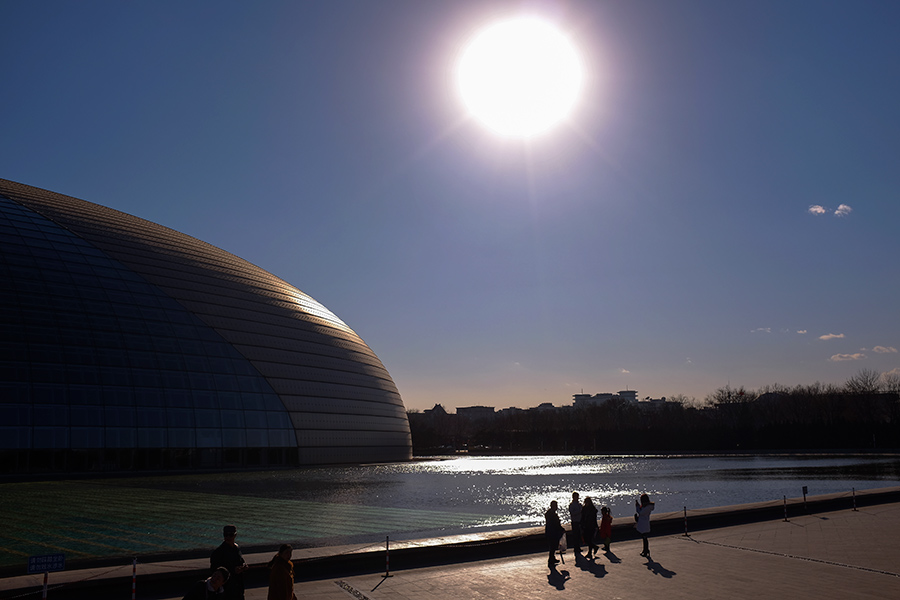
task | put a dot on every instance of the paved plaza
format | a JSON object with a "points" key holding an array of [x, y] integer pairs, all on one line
{"points": [[843, 554]]}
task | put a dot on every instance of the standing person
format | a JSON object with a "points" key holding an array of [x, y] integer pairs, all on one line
{"points": [[642, 514], [575, 517], [605, 527], [553, 529], [281, 578], [589, 526], [228, 555], [211, 587]]}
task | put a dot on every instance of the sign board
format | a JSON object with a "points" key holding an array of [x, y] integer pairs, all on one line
{"points": [[46, 563]]}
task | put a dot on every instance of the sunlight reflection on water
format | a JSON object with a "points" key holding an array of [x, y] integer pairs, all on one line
{"points": [[504, 492]]}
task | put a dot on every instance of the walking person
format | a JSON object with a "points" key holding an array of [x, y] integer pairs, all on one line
{"points": [[553, 530], [575, 517], [642, 514], [605, 527], [229, 555], [589, 526], [281, 577]]}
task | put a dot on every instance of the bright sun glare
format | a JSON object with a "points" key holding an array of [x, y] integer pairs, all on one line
{"points": [[520, 77]]}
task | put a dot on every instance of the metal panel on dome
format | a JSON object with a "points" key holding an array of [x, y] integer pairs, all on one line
{"points": [[105, 309]]}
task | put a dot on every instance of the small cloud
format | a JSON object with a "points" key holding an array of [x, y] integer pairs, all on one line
{"points": [[884, 350], [762, 330], [843, 210], [801, 331], [625, 371], [816, 209], [841, 357], [831, 336], [688, 361]]}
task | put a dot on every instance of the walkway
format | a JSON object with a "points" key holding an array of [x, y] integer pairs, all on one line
{"points": [[843, 554]]}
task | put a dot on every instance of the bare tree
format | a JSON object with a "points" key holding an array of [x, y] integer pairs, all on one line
{"points": [[890, 381], [730, 395], [866, 381]]}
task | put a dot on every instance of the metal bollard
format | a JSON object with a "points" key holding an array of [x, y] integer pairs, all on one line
{"points": [[785, 508], [854, 498], [134, 578], [685, 523]]}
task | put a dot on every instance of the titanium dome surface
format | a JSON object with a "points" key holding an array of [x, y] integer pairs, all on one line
{"points": [[127, 345]]}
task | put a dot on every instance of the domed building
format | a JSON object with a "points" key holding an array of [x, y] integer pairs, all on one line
{"points": [[125, 345]]}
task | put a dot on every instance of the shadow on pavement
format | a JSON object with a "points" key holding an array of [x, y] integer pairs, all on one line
{"points": [[657, 569], [598, 569], [558, 579], [611, 557]]}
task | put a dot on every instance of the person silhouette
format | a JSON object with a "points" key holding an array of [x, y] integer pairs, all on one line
{"points": [[642, 514], [553, 530]]}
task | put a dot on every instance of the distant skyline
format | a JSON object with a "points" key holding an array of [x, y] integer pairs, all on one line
{"points": [[720, 208]]}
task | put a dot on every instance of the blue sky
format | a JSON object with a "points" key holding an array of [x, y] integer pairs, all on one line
{"points": [[721, 208]]}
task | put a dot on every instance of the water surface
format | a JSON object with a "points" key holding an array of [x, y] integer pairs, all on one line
{"points": [[364, 504]]}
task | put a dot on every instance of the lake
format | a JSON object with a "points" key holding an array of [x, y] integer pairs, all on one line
{"points": [[90, 518]]}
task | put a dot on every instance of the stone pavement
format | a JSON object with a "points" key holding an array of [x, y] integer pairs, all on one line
{"points": [[840, 554]]}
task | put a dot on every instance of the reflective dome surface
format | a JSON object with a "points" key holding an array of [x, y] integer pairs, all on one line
{"points": [[127, 345]]}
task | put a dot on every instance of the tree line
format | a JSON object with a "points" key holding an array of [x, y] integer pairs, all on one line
{"points": [[861, 415]]}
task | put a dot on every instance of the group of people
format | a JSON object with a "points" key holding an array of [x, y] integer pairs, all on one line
{"points": [[228, 567], [585, 527]]}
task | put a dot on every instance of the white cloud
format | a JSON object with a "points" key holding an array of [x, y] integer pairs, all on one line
{"points": [[762, 330], [831, 336], [840, 357], [884, 349], [843, 210], [801, 331], [625, 371]]}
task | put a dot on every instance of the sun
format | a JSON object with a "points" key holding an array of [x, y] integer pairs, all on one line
{"points": [[520, 77]]}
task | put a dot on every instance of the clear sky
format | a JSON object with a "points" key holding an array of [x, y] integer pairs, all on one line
{"points": [[722, 207]]}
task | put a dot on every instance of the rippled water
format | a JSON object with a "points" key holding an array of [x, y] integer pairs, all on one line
{"points": [[134, 516], [501, 492]]}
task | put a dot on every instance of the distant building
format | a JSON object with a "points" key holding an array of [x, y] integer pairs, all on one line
{"points": [[586, 400], [653, 403], [476, 413], [512, 410], [436, 411], [630, 395]]}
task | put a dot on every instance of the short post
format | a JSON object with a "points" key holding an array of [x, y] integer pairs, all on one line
{"points": [[854, 498], [134, 578], [805, 509], [46, 578], [685, 523], [387, 556], [785, 508]]}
